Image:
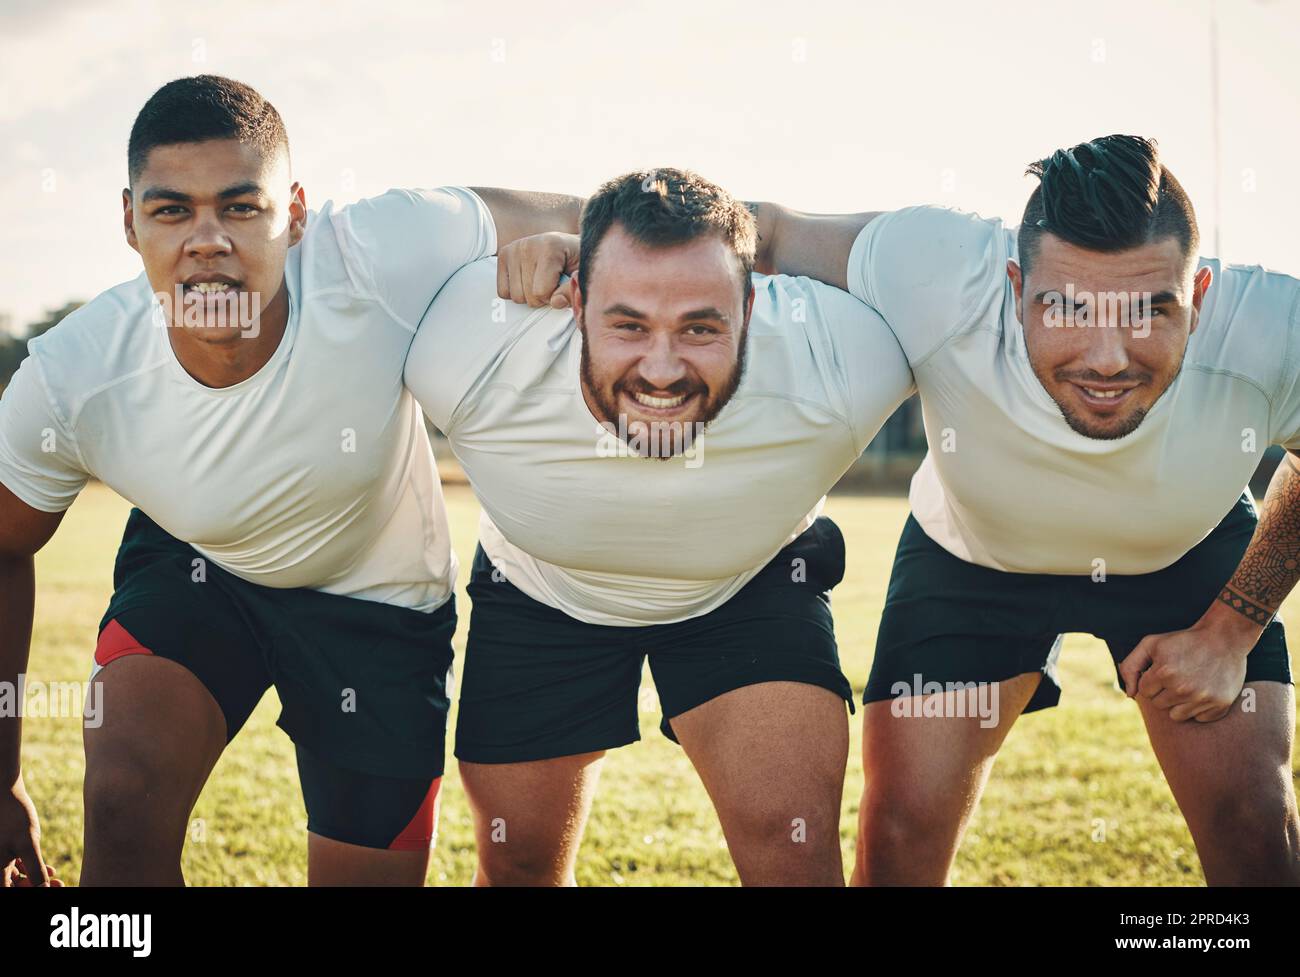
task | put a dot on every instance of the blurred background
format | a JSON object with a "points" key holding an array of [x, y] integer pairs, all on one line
{"points": [[819, 105]]}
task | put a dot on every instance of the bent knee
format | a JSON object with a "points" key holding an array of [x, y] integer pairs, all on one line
{"points": [[516, 863], [911, 816], [128, 796], [1251, 819], [790, 826]]}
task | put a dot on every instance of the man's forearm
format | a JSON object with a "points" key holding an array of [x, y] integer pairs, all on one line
{"points": [[1270, 568], [815, 245], [17, 602], [522, 213]]}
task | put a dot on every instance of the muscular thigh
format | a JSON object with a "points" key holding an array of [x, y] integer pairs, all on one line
{"points": [[158, 734], [930, 743], [1245, 753], [776, 749]]}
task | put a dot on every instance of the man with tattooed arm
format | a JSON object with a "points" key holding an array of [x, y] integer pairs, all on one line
{"points": [[1095, 398]]}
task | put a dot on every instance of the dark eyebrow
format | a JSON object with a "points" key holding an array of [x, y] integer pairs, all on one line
{"points": [[1160, 298], [164, 193], [242, 189], [167, 193], [631, 313], [707, 313]]}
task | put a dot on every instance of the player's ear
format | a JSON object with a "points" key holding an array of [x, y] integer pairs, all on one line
{"points": [[1200, 285], [1017, 286], [297, 213], [575, 295], [128, 220]]}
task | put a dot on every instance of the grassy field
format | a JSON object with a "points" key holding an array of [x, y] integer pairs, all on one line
{"points": [[1076, 797]]}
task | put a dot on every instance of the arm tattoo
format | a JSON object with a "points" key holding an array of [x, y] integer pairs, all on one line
{"points": [[1270, 567], [1260, 615]]}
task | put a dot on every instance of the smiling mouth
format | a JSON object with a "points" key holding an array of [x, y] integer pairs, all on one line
{"points": [[660, 403], [1103, 399]]}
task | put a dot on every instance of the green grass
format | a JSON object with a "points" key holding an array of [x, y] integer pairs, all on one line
{"points": [[1059, 775]]}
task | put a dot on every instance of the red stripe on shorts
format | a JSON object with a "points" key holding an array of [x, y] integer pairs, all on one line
{"points": [[115, 641], [418, 834]]}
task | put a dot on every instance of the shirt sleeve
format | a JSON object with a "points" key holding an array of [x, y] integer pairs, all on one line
{"points": [[865, 365], [930, 272], [403, 245], [464, 335], [1285, 412], [39, 460]]}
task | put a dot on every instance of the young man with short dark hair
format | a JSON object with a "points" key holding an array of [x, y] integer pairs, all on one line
{"points": [[245, 394]]}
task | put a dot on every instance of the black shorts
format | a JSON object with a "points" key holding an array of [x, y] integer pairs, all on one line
{"points": [[539, 684], [947, 620], [362, 684]]}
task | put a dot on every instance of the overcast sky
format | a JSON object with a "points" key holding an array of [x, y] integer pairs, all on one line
{"points": [[824, 106]]}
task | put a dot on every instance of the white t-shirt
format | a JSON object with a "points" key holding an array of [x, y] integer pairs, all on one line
{"points": [[1007, 483], [610, 537], [314, 472]]}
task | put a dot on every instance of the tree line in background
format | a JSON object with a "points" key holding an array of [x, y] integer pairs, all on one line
{"points": [[13, 349]]}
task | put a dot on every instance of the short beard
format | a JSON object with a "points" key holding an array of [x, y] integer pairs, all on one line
{"points": [[1131, 423], [608, 408], [1076, 424]]}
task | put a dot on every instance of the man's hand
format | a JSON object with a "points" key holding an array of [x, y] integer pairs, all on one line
{"points": [[16, 877], [1193, 674], [20, 841], [529, 270], [1198, 673]]}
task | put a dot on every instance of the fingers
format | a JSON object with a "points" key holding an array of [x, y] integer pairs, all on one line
{"points": [[1200, 710], [1183, 706], [1132, 668], [1151, 683], [529, 270], [546, 279], [1178, 698], [16, 876], [517, 277], [503, 276], [1185, 711], [560, 298], [1212, 713], [30, 854]]}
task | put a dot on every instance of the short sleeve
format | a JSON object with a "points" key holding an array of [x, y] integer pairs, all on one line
{"points": [[1285, 412], [868, 369], [930, 272], [39, 461], [464, 334], [403, 245]]}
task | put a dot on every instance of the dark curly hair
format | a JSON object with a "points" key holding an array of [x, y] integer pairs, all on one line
{"points": [[664, 207]]}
